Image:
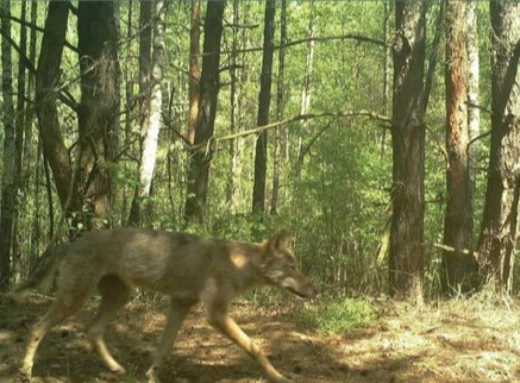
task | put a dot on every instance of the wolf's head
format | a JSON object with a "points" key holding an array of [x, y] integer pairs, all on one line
{"points": [[279, 266]]}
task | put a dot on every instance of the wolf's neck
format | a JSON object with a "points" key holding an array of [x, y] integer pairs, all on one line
{"points": [[245, 258]]}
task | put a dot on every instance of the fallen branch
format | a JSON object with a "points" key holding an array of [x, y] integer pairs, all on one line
{"points": [[301, 117], [348, 36]]}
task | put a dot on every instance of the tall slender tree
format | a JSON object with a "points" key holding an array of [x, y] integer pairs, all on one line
{"points": [[20, 122], [264, 101], [280, 104], [459, 268], [194, 80], [198, 173], [7, 211], [233, 184], [473, 99], [150, 132], [305, 103], [406, 257]]}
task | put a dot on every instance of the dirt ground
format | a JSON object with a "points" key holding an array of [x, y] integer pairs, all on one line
{"points": [[456, 341]]}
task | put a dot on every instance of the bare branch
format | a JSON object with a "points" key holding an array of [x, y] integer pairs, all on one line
{"points": [[301, 117], [348, 36]]}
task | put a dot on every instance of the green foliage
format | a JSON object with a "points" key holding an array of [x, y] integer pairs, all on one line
{"points": [[337, 317], [337, 206]]}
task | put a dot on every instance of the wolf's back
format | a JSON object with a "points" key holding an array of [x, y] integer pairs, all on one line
{"points": [[41, 276]]}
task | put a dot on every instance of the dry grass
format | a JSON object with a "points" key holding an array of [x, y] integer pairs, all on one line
{"points": [[454, 341]]}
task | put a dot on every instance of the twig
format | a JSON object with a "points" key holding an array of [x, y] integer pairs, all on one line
{"points": [[300, 117]]}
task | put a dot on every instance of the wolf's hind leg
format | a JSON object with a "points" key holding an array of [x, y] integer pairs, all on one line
{"points": [[67, 303], [178, 311], [114, 295]]}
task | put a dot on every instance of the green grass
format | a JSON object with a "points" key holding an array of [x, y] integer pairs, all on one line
{"points": [[337, 317]]}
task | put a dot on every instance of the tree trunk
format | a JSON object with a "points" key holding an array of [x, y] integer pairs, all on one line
{"points": [[145, 73], [47, 75], [194, 80], [473, 99], [264, 100], [280, 103], [19, 181], [499, 226], [386, 61], [233, 182], [30, 147], [99, 108], [406, 257], [198, 174], [306, 91], [8, 182], [151, 132], [458, 269]]}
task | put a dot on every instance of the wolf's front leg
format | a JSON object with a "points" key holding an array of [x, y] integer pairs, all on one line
{"points": [[225, 324], [179, 309]]}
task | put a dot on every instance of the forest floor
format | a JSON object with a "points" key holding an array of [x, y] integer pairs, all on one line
{"points": [[455, 341]]}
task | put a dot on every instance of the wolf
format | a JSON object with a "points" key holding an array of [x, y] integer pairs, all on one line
{"points": [[187, 268]]}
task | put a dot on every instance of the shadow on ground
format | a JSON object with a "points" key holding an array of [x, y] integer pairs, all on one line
{"points": [[384, 352]]}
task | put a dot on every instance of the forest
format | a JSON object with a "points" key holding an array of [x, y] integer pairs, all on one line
{"points": [[384, 136]]}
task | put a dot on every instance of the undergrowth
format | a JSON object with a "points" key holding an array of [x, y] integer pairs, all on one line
{"points": [[336, 317]]}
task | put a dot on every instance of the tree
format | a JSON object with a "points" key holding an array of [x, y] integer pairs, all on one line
{"points": [[473, 97], [88, 178], [152, 123], [233, 183], [499, 225], [406, 256], [7, 212], [47, 76], [194, 80], [458, 268], [280, 101], [99, 107], [306, 89], [264, 101], [198, 173]]}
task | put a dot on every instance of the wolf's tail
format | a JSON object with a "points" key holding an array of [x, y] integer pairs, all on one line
{"points": [[41, 276]]}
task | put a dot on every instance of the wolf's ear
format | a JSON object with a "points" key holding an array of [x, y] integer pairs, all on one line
{"points": [[280, 241]]}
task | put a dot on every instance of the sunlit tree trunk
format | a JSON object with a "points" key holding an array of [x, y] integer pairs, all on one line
{"points": [[280, 101], [309, 63], [473, 99], [233, 184], [264, 101], [386, 61], [458, 269], [198, 173], [7, 211], [406, 257], [129, 99], [151, 131], [499, 226], [306, 89], [194, 80]]}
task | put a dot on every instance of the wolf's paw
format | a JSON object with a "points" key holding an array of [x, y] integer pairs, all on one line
{"points": [[118, 369], [26, 373], [152, 376]]}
